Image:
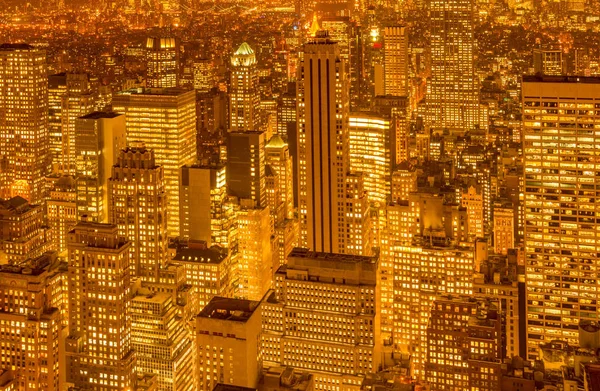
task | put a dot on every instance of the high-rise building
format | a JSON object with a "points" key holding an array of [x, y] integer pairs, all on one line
{"points": [[208, 270], [453, 93], [24, 155], [548, 62], [472, 199], [246, 166], [69, 97], [396, 109], [336, 336], [30, 324], [244, 98], [61, 209], [255, 262], [228, 339], [162, 56], [323, 145], [395, 56], [277, 155], [463, 344], [162, 346], [137, 205], [559, 116], [286, 114], [504, 227], [204, 75], [204, 214], [23, 232], [370, 154], [100, 137], [165, 121], [98, 349]]}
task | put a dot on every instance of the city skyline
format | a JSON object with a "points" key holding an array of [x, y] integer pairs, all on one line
{"points": [[201, 195]]}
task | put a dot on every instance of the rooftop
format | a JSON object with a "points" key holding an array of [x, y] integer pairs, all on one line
{"points": [[214, 255], [16, 46], [229, 387], [235, 310], [560, 79], [173, 91], [100, 114]]}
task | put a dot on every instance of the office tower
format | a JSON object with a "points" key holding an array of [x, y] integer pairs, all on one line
{"points": [[160, 341], [503, 279], [548, 62], [98, 349], [162, 56], [472, 199], [228, 337], [255, 265], [323, 147], [23, 122], [324, 317], [370, 153], [246, 166], [100, 137], [397, 110], [345, 32], [165, 121], [212, 110], [558, 118], [207, 269], [277, 155], [30, 324], [404, 181], [23, 232], [61, 208], [395, 55], [244, 98], [286, 114], [204, 214], [137, 205], [357, 219], [504, 227], [272, 190], [69, 97], [463, 338], [204, 75], [453, 93], [281, 70]]}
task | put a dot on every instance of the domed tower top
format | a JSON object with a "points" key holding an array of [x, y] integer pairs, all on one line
{"points": [[244, 56]]}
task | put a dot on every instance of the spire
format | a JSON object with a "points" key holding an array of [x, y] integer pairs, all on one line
{"points": [[243, 56], [314, 27]]}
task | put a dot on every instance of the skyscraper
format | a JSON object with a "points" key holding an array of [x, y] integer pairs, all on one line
{"points": [[246, 166], [370, 153], [70, 97], [453, 96], [165, 121], [100, 137], [137, 205], [24, 159], [560, 189], [395, 56], [30, 324], [337, 335], [162, 69], [98, 348], [204, 215], [228, 336], [323, 105], [244, 97]]}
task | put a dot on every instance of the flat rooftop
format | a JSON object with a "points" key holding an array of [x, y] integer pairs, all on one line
{"points": [[561, 79], [229, 387], [299, 252], [235, 310], [173, 91], [200, 255], [100, 114]]}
